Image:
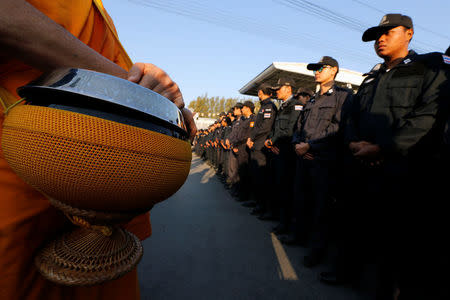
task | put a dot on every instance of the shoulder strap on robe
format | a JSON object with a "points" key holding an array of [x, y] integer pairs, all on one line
{"points": [[100, 8]]}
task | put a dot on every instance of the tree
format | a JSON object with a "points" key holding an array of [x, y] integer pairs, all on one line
{"points": [[212, 106]]}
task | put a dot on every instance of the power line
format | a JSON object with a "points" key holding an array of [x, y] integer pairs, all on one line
{"points": [[339, 19], [417, 26], [228, 19]]}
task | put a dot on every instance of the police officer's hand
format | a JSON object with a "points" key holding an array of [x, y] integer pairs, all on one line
{"points": [[356, 146], [268, 143], [369, 151], [308, 156], [235, 150], [275, 150], [153, 78], [301, 148], [250, 143]]}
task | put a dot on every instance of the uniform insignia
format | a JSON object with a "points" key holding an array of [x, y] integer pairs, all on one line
{"points": [[446, 59], [407, 61], [266, 115], [268, 109], [299, 107], [252, 124]]}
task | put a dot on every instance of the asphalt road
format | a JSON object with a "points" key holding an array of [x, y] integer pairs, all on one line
{"points": [[205, 245]]}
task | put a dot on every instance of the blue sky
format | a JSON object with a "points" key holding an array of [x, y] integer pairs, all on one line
{"points": [[216, 47]]}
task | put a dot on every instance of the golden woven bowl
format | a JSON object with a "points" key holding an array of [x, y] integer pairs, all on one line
{"points": [[93, 163], [103, 150]]}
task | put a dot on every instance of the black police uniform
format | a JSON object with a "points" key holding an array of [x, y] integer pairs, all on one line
{"points": [[283, 165], [239, 141], [258, 154], [233, 165], [395, 206], [319, 125]]}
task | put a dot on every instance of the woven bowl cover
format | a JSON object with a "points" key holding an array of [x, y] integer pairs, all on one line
{"points": [[92, 163]]}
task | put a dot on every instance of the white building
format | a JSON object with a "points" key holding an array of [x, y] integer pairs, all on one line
{"points": [[302, 76], [202, 123]]}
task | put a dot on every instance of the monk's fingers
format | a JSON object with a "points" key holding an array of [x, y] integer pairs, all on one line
{"points": [[136, 72], [190, 123]]}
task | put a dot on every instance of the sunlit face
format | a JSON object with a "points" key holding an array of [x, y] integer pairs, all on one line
{"points": [[237, 111], [393, 42], [284, 92], [246, 111], [325, 73]]}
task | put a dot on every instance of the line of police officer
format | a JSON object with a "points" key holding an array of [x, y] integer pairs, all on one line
{"points": [[378, 159]]}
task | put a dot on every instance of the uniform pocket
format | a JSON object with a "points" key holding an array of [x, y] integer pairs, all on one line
{"points": [[403, 92]]}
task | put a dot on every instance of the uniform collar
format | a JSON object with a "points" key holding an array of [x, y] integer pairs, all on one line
{"points": [[286, 103], [265, 101], [412, 56], [317, 95]]}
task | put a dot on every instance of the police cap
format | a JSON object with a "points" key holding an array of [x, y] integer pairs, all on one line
{"points": [[238, 105], [304, 91], [324, 61], [250, 105], [387, 22], [284, 81]]}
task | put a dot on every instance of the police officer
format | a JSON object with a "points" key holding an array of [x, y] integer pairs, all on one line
{"points": [[233, 176], [316, 142], [238, 145], [279, 142], [392, 134], [255, 143]]}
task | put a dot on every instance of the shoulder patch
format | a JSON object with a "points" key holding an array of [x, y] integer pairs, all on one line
{"points": [[252, 124], [299, 107], [446, 59]]}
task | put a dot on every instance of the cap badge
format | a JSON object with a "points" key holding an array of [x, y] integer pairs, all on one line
{"points": [[384, 21], [407, 61]]}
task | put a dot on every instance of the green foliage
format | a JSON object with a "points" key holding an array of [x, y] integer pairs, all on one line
{"points": [[211, 107]]}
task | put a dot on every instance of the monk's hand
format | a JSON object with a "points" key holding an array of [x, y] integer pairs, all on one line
{"points": [[155, 79]]}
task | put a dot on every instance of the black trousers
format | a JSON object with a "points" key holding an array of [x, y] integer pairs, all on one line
{"points": [[394, 216], [233, 167], [282, 169], [244, 186], [258, 177], [313, 186]]}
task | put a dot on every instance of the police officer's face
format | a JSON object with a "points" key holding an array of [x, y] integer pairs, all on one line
{"points": [[393, 42], [284, 92], [325, 74], [246, 111]]}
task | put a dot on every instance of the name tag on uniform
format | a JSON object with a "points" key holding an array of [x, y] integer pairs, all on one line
{"points": [[266, 115], [299, 107], [252, 124], [268, 109]]}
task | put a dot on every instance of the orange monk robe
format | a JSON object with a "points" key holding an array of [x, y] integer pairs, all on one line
{"points": [[27, 220]]}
